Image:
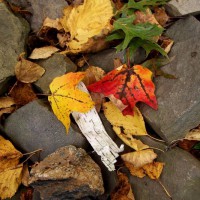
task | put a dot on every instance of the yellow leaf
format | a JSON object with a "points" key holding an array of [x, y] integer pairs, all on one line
{"points": [[139, 158], [126, 126], [27, 71], [52, 23], [153, 170], [138, 172], [85, 21], [66, 97], [43, 52], [193, 135], [9, 156], [9, 181]]}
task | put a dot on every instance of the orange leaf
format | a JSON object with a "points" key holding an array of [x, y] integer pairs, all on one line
{"points": [[66, 97], [138, 172], [130, 85]]}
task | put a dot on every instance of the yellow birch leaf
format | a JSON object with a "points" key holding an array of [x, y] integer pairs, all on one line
{"points": [[9, 156], [139, 158], [138, 172], [153, 170], [66, 97], [83, 22], [10, 180]]}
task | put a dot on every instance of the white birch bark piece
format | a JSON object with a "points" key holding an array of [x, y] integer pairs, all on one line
{"points": [[92, 128]]}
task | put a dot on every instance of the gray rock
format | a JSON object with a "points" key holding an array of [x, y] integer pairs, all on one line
{"points": [[13, 33], [178, 99], [68, 173], [180, 176], [183, 7], [54, 66], [34, 127], [104, 59], [184, 29]]}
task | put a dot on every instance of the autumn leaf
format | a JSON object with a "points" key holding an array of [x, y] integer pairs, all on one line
{"points": [[153, 170], [83, 22], [139, 158], [66, 97], [7, 105], [10, 171], [123, 190], [193, 135], [10, 181], [52, 23], [43, 52], [129, 85], [161, 16], [27, 71]]}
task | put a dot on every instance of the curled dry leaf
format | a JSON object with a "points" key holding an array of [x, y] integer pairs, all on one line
{"points": [[7, 105], [10, 171], [161, 16], [129, 85], [52, 23], [66, 97], [22, 93], [27, 71], [139, 158], [85, 21], [167, 44], [43, 52], [193, 135], [123, 190]]}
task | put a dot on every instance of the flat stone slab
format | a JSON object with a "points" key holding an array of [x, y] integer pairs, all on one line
{"points": [[178, 100], [56, 65], [184, 29], [13, 34], [34, 127], [183, 7]]}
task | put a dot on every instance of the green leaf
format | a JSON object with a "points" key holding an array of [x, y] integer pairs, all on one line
{"points": [[141, 5], [197, 146], [145, 31]]}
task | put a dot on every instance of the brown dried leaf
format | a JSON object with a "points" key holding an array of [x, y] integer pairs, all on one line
{"points": [[25, 175], [167, 44], [27, 71], [43, 52], [22, 93], [123, 190], [161, 16], [153, 170], [139, 158], [117, 63]]}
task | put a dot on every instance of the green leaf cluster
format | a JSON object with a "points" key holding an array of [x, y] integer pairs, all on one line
{"points": [[132, 35]]}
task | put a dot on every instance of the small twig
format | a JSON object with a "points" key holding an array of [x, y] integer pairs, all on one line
{"points": [[164, 189], [85, 60], [157, 149], [155, 138], [32, 152], [30, 155], [128, 57], [13, 87]]}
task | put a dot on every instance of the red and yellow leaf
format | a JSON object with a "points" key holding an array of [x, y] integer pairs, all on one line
{"points": [[130, 85]]}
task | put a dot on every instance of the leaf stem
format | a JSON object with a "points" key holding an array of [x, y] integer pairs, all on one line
{"points": [[164, 189], [155, 138], [128, 57], [157, 149]]}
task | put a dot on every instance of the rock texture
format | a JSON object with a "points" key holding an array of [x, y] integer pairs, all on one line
{"points": [[13, 33], [178, 100], [68, 173], [34, 127], [55, 66], [183, 7], [104, 59]]}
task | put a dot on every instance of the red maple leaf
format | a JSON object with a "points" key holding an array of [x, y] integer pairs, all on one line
{"points": [[129, 85]]}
